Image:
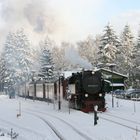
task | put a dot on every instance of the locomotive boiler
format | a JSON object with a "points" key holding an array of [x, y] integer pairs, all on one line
{"points": [[87, 91]]}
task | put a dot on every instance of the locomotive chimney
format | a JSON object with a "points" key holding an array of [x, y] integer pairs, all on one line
{"points": [[83, 72]]}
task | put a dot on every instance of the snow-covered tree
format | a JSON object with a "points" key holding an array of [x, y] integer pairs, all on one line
{"points": [[109, 37], [127, 46], [23, 50], [126, 52], [136, 61], [10, 59], [136, 52], [2, 72], [109, 53], [109, 41], [138, 41], [46, 61], [17, 57]]}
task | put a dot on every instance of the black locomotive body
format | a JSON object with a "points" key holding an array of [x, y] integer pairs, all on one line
{"points": [[87, 91]]}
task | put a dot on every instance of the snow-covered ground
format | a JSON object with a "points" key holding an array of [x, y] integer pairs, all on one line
{"points": [[118, 123]]}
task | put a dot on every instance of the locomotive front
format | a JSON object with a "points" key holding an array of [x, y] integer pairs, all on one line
{"points": [[92, 82], [88, 91]]}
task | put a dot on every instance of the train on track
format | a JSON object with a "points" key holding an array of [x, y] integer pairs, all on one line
{"points": [[83, 90]]}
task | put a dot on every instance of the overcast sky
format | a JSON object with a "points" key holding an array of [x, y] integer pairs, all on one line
{"points": [[68, 20]]}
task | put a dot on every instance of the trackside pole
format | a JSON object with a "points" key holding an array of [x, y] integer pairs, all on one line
{"points": [[19, 113], [95, 114], [136, 137]]}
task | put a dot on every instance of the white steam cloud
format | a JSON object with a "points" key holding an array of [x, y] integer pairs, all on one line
{"points": [[62, 20], [32, 15], [73, 56]]}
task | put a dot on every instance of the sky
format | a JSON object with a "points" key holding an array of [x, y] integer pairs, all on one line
{"points": [[67, 20]]}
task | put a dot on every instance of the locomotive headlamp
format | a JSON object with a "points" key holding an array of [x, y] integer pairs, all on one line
{"points": [[93, 72], [100, 94], [86, 95]]}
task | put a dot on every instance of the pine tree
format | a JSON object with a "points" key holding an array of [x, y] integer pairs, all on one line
{"points": [[138, 41], [109, 41], [46, 62], [22, 47], [2, 73], [10, 60], [17, 57], [127, 45], [23, 50], [136, 60], [127, 50], [109, 37]]}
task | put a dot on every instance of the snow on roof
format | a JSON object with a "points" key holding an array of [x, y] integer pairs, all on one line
{"points": [[117, 84], [107, 81], [96, 69], [114, 84], [114, 72]]}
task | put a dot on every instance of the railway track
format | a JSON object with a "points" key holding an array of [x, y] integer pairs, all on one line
{"points": [[133, 125], [128, 120], [62, 123], [60, 137], [6, 124]]}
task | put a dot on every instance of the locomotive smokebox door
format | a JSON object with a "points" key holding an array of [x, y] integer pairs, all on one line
{"points": [[91, 82]]}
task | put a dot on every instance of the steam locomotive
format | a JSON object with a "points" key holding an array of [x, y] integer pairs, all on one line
{"points": [[87, 91]]}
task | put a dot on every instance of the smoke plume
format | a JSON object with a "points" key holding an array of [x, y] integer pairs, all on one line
{"points": [[35, 16], [73, 56], [61, 20]]}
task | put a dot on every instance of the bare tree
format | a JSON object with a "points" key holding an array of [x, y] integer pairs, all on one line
{"points": [[88, 50]]}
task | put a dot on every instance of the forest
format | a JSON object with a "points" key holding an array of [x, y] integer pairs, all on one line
{"points": [[20, 60]]}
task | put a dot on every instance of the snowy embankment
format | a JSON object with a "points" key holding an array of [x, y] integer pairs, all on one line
{"points": [[37, 117]]}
